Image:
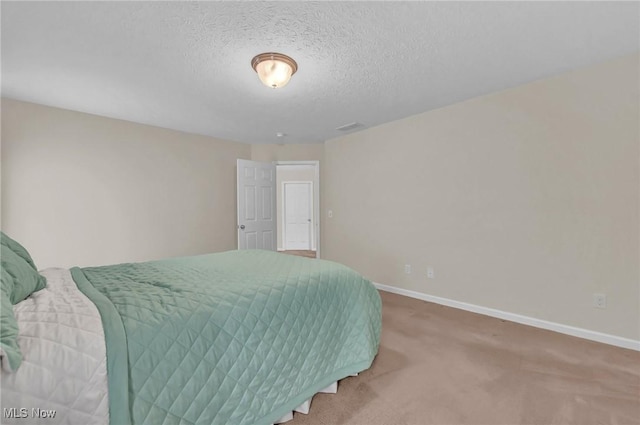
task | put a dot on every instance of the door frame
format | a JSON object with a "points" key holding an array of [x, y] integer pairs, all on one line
{"points": [[316, 196], [284, 212]]}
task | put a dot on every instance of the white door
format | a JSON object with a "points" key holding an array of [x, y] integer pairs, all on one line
{"points": [[256, 190], [297, 215]]}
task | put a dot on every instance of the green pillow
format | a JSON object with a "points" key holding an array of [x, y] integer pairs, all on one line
{"points": [[9, 349], [19, 278], [25, 279], [17, 248]]}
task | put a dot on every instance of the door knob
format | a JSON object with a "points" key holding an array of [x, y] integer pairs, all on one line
{"points": [[242, 227]]}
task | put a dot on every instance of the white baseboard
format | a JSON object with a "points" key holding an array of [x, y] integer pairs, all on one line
{"points": [[525, 320], [281, 249]]}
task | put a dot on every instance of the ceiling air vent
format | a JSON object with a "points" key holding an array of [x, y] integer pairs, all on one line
{"points": [[350, 126]]}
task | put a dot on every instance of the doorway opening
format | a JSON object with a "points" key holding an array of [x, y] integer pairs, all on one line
{"points": [[297, 201]]}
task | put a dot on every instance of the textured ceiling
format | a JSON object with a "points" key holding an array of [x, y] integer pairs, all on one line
{"points": [[186, 65]]}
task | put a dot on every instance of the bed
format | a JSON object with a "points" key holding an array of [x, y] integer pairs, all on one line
{"points": [[240, 337]]}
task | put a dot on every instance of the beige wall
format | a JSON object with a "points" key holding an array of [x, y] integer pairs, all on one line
{"points": [[525, 200], [79, 189], [307, 152], [284, 174]]}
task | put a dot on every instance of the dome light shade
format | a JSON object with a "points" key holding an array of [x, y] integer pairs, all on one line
{"points": [[274, 69]]}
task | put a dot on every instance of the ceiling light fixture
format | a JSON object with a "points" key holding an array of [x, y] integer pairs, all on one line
{"points": [[274, 69]]}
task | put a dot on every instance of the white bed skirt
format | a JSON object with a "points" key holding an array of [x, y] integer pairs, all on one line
{"points": [[304, 407]]}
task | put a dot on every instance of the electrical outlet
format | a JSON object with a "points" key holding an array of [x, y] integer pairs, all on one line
{"points": [[600, 300], [407, 268], [431, 274], [330, 213]]}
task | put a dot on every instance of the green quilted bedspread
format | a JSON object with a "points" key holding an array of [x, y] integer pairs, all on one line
{"points": [[240, 337]]}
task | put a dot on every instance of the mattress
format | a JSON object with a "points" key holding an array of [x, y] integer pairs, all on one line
{"points": [[242, 338]]}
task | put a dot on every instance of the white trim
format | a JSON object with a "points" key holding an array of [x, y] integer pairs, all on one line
{"points": [[316, 196], [618, 341], [297, 162], [284, 212], [296, 167]]}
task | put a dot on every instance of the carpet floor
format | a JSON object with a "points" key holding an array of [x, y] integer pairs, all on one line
{"points": [[301, 253], [439, 365]]}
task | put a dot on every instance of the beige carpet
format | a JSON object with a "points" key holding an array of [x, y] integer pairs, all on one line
{"points": [[439, 365], [301, 253]]}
